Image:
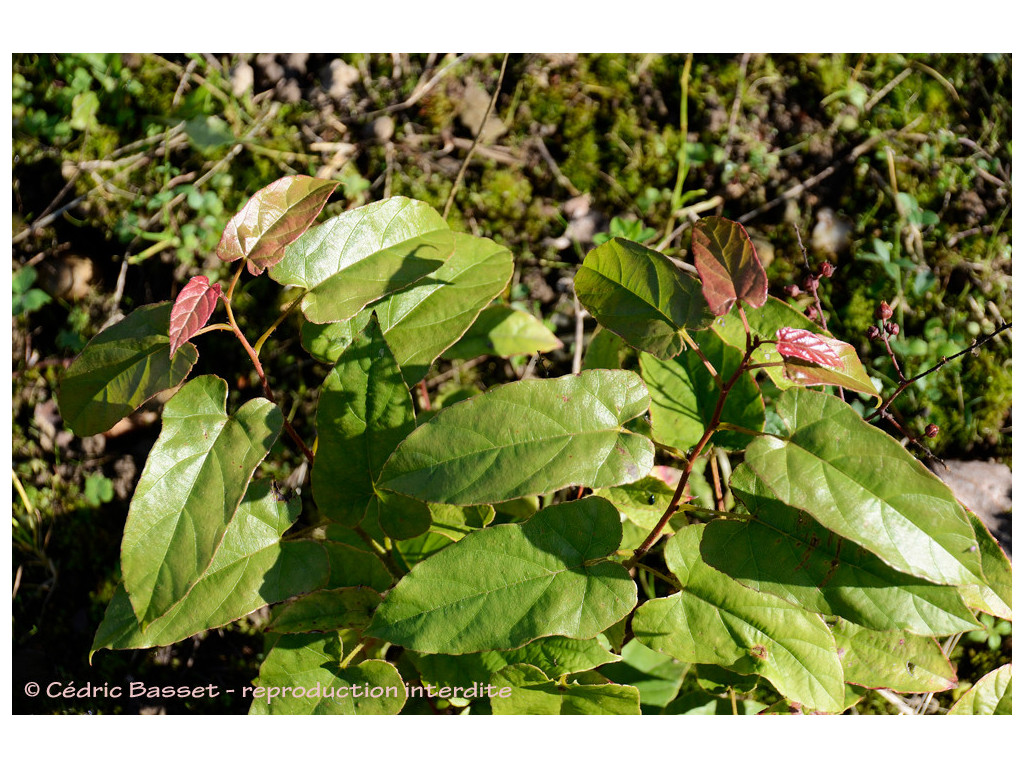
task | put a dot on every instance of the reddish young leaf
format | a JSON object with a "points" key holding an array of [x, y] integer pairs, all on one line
{"points": [[809, 346], [272, 219], [728, 265], [191, 310]]}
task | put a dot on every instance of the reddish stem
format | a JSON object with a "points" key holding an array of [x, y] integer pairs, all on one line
{"points": [[712, 427], [259, 372]]}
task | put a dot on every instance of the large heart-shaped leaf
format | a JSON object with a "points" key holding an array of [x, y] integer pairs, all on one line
{"points": [[527, 437], [273, 218], [899, 661], [555, 656], [684, 396], [364, 412], [421, 322], [728, 265], [992, 695], [120, 369], [640, 295], [502, 587], [325, 610], [302, 675], [193, 307], [715, 620], [765, 323], [525, 690], [251, 568], [786, 552], [858, 481], [364, 255], [504, 331], [996, 596], [189, 492]]}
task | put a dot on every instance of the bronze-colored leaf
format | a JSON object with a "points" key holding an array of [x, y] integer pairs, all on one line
{"points": [[728, 265]]}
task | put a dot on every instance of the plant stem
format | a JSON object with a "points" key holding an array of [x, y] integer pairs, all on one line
{"points": [[942, 361], [476, 140], [266, 334], [683, 168], [684, 478], [345, 662], [255, 358]]}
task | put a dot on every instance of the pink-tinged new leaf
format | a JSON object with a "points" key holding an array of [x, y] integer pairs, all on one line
{"points": [[192, 309], [728, 265], [809, 346], [272, 219]]}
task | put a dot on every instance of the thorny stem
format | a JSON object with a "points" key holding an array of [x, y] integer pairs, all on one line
{"points": [[255, 358], [881, 410], [684, 478]]}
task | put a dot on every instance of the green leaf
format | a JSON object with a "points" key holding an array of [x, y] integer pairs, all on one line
{"points": [[992, 695], [715, 620], [325, 610], [411, 551], [302, 675], [504, 331], [364, 255], [190, 491], [120, 369], [209, 132], [765, 323], [272, 219], [502, 587], [353, 561], [858, 481], [656, 677], [642, 502], [700, 703], [251, 568], [84, 107], [458, 521], [30, 301], [364, 412], [640, 295], [25, 298], [899, 661], [421, 322], [605, 350], [526, 690], [728, 265], [98, 490], [527, 437], [995, 597], [555, 656], [684, 396], [326, 342], [784, 551]]}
